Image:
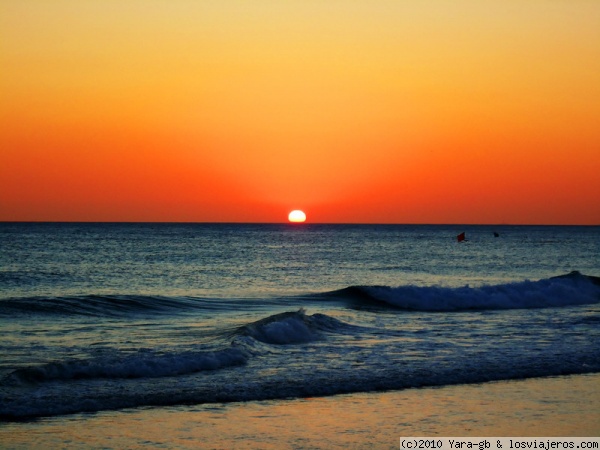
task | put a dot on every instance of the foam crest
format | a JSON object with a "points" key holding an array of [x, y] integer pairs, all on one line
{"points": [[554, 292], [147, 365], [284, 328]]}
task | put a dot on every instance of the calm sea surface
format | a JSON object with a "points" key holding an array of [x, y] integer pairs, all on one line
{"points": [[108, 316]]}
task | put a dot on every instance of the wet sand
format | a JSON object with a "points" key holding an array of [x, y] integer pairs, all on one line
{"points": [[558, 406]]}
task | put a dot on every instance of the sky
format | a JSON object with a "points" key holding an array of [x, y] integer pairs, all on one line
{"points": [[354, 111]]}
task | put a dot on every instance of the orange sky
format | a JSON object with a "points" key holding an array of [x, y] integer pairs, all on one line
{"points": [[356, 111]]}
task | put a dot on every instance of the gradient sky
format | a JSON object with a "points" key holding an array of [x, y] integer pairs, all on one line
{"points": [[356, 111]]}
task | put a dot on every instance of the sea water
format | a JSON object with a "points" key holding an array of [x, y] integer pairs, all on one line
{"points": [[100, 317]]}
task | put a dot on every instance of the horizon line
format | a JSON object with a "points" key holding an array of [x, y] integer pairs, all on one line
{"points": [[297, 224]]}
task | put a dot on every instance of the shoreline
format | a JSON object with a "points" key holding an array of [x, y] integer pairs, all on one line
{"points": [[552, 406]]}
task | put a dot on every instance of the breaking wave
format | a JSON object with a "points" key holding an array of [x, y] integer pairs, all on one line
{"points": [[141, 365], [292, 328], [566, 290], [279, 329], [294, 354]]}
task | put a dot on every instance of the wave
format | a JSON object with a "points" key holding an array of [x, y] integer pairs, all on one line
{"points": [[289, 381], [105, 305], [294, 354], [144, 365], [279, 329], [561, 291], [564, 290], [292, 328]]}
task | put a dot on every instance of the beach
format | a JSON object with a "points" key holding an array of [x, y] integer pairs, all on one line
{"points": [[551, 406]]}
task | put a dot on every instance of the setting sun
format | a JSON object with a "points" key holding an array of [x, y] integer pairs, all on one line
{"points": [[361, 112], [297, 216]]}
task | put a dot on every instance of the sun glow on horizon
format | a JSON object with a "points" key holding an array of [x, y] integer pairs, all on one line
{"points": [[361, 112], [297, 216]]}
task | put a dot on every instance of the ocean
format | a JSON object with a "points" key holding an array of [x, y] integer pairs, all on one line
{"points": [[100, 317]]}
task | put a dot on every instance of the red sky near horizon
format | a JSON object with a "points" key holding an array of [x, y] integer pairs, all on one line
{"points": [[353, 111]]}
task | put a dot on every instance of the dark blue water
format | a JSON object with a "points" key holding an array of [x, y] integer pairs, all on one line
{"points": [[106, 316]]}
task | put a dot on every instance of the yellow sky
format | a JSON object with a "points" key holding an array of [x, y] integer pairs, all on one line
{"points": [[356, 111]]}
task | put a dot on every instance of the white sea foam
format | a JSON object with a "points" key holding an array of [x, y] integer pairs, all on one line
{"points": [[141, 365], [539, 294], [285, 328]]}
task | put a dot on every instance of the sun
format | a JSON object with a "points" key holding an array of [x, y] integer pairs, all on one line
{"points": [[297, 216]]}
